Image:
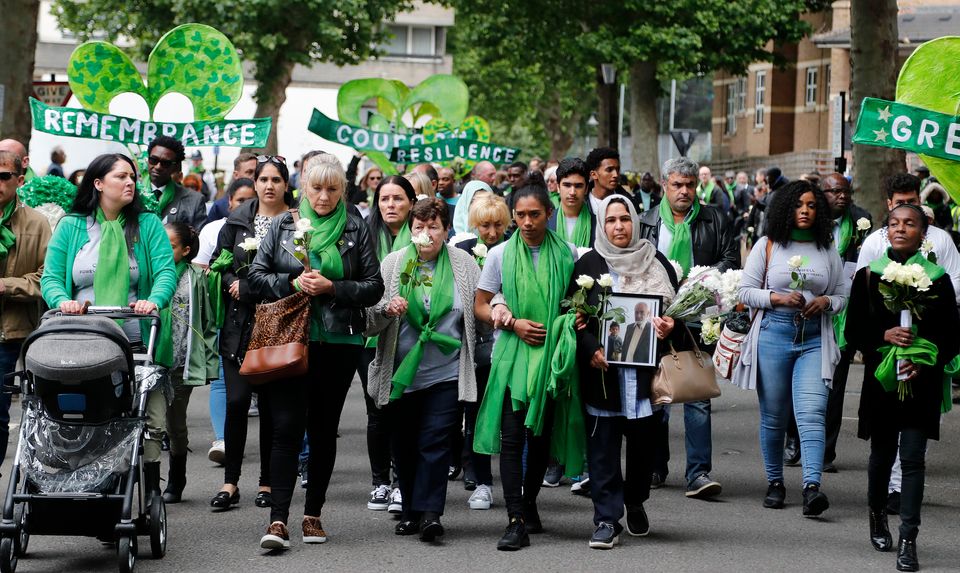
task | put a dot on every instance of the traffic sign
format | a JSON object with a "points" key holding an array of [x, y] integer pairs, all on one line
{"points": [[55, 94], [683, 139]]}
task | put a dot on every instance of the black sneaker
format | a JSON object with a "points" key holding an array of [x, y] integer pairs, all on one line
{"points": [[531, 519], [515, 537], [814, 501], [605, 536], [637, 523], [776, 494], [657, 481], [702, 487]]}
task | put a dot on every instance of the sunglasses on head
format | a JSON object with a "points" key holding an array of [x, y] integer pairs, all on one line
{"points": [[165, 163], [278, 159], [8, 175]]}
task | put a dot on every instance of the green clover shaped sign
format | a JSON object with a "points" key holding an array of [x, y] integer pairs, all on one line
{"points": [[194, 60], [476, 124]]}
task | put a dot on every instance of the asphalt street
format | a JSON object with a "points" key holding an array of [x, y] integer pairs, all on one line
{"points": [[733, 533]]}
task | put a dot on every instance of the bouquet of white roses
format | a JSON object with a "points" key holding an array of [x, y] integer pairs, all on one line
{"points": [[699, 292]]}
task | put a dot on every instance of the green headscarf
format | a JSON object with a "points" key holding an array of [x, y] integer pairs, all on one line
{"points": [[111, 279], [164, 349], [167, 196], [7, 236], [581, 234], [681, 246]]}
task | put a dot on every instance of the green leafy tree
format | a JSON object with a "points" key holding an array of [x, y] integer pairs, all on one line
{"points": [[273, 35]]}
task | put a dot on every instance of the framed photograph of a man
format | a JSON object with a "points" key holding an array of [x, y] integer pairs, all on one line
{"points": [[633, 342]]}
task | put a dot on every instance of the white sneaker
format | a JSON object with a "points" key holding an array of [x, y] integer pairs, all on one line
{"points": [[396, 501], [217, 452], [482, 498], [379, 498]]}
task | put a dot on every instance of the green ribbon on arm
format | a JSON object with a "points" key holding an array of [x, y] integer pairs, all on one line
{"points": [[441, 302], [568, 443], [681, 246], [532, 293], [921, 352], [164, 349], [581, 230], [325, 257], [215, 285], [7, 236], [166, 197], [950, 372], [111, 279]]}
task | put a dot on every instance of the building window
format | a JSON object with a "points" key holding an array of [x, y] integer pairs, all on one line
{"points": [[811, 90], [731, 109], [741, 94], [826, 74], [759, 96], [414, 41]]}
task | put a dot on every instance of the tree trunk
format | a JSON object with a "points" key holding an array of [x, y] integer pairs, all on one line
{"points": [[18, 44], [644, 129], [270, 98], [873, 48], [560, 129]]}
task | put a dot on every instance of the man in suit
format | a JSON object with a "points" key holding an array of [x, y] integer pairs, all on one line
{"points": [[636, 342], [165, 156]]}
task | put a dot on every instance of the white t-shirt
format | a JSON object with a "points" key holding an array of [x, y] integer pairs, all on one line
{"points": [[877, 242], [208, 241]]}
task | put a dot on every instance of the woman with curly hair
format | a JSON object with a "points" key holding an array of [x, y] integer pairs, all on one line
{"points": [[794, 280]]}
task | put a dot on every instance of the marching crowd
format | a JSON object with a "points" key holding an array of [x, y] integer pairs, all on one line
{"points": [[463, 306]]}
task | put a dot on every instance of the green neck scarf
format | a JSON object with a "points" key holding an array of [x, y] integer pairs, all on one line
{"points": [[532, 293], [167, 196], [7, 237], [327, 230], [803, 235], [705, 193], [441, 302], [111, 279], [164, 350], [731, 195], [581, 230], [846, 233], [681, 246], [214, 285], [386, 245], [932, 270]]}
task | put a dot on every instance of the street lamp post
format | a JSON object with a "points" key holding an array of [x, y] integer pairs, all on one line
{"points": [[608, 73]]}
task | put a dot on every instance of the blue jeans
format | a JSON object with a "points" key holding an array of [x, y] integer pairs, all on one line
{"points": [[218, 404], [790, 377], [699, 441], [9, 352]]}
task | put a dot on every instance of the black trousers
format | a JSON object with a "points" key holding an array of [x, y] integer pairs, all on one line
{"points": [[235, 425], [834, 409], [475, 466], [422, 422], [521, 489], [609, 490], [883, 452], [378, 433]]}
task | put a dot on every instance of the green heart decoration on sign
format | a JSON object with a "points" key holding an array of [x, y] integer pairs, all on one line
{"points": [[194, 60], [474, 123], [929, 80]]}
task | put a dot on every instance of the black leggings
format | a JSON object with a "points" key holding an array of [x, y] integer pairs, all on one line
{"points": [[521, 490], [235, 426], [378, 432], [883, 452]]}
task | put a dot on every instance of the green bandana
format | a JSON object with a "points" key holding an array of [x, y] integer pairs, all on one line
{"points": [[167, 196], [387, 245], [7, 237], [324, 255], [111, 279], [532, 293], [681, 246], [164, 349], [214, 284], [441, 302], [581, 230], [804, 235]]}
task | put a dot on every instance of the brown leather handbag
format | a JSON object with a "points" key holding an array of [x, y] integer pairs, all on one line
{"points": [[280, 338], [686, 376]]}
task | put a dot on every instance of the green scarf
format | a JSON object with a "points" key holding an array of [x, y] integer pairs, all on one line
{"points": [[581, 230], [731, 195], [804, 235], [167, 196], [681, 246], [111, 279], [441, 302], [386, 245], [840, 319], [7, 237], [215, 285], [532, 293], [950, 372], [568, 443], [932, 270], [164, 349], [705, 193], [324, 255]]}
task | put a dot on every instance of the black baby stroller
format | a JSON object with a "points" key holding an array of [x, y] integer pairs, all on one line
{"points": [[78, 467]]}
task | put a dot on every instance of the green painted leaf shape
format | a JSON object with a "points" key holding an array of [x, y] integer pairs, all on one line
{"points": [[187, 47], [390, 109], [447, 93], [98, 72], [353, 94]]}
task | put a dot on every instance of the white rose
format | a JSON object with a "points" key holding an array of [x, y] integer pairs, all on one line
{"points": [[585, 282], [926, 246], [795, 262], [250, 244], [304, 225], [891, 272], [863, 224], [923, 283], [421, 240], [677, 269], [479, 250], [750, 230], [697, 270], [298, 234], [605, 280]]}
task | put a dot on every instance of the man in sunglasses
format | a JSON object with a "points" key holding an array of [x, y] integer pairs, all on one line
{"points": [[24, 235], [14, 146], [165, 155]]}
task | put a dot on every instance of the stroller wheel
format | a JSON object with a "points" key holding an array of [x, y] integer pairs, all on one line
{"points": [[158, 528], [23, 539], [127, 553], [8, 556]]}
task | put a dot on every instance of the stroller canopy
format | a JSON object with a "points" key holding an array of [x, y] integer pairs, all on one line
{"points": [[77, 348]]}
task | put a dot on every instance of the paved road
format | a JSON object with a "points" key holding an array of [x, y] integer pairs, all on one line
{"points": [[732, 534]]}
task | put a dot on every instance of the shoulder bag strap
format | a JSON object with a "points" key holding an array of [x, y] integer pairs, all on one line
{"points": [[766, 268], [295, 213]]}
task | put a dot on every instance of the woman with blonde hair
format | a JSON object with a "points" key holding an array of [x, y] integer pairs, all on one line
{"points": [[421, 183]]}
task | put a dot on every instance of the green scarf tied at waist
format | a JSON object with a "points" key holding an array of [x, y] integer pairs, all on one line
{"points": [[7, 236], [166, 197], [581, 230], [325, 258], [532, 293], [681, 246], [441, 302], [164, 349], [215, 283], [921, 352], [568, 443], [111, 279]]}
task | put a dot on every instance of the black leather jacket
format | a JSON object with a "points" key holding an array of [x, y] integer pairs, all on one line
{"points": [[361, 286], [712, 234]]}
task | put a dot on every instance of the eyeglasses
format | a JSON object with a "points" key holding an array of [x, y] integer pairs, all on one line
{"points": [[277, 159], [8, 175], [839, 191], [165, 163]]}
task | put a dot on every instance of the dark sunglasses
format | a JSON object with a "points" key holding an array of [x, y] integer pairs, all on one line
{"points": [[165, 163], [278, 159], [8, 175], [839, 191]]}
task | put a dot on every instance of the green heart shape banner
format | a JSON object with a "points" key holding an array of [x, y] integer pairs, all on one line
{"points": [[363, 139], [901, 126], [448, 149], [74, 122]]}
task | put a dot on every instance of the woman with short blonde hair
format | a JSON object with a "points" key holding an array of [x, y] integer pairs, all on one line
{"points": [[488, 208], [421, 183]]}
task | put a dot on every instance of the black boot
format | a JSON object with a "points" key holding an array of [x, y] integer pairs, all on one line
{"points": [[907, 555], [879, 531], [151, 482], [176, 479]]}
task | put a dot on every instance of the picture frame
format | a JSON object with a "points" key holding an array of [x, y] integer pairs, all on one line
{"points": [[624, 344]]}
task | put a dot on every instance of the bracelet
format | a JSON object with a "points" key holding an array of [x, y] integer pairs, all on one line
{"points": [[296, 285]]}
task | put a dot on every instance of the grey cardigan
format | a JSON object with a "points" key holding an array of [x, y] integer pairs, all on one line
{"points": [[466, 275]]}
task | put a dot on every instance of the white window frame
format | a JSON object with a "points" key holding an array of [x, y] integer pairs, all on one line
{"points": [[742, 94], [408, 51], [731, 109], [759, 95], [810, 86]]}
